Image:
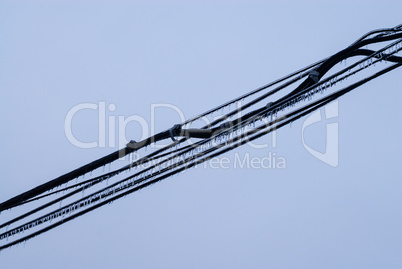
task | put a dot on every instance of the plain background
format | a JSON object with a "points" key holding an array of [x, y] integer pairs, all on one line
{"points": [[197, 55]]}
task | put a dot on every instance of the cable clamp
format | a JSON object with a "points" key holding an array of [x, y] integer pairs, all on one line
{"points": [[174, 131]]}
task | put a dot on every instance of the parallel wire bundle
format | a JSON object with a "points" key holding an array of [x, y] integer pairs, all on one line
{"points": [[231, 130]]}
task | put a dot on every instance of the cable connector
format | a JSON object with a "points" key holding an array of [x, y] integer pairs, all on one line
{"points": [[174, 131]]}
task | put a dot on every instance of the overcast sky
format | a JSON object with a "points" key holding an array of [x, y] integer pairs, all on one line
{"points": [[196, 55]]}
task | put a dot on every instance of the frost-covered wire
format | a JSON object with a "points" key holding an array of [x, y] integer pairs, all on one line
{"points": [[185, 157]]}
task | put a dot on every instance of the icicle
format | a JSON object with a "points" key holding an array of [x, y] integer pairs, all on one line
{"points": [[227, 138]]}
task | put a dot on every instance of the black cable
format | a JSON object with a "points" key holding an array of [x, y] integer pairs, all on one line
{"points": [[65, 178], [242, 119], [328, 63], [295, 115]]}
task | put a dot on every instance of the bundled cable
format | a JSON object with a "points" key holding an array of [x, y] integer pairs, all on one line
{"points": [[262, 110]]}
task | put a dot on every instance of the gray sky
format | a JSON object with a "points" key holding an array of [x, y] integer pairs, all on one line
{"points": [[196, 56]]}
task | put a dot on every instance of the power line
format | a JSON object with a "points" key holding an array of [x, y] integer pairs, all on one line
{"points": [[222, 135]]}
